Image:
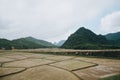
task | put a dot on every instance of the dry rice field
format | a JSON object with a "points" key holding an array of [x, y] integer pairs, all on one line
{"points": [[23, 65]]}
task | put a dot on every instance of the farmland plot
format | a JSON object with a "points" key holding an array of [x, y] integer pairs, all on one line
{"points": [[30, 66]]}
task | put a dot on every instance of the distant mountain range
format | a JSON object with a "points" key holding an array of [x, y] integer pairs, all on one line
{"points": [[82, 39], [60, 43], [86, 39], [25, 43]]}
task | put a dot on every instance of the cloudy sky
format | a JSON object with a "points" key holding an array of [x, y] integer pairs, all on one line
{"points": [[55, 20]]}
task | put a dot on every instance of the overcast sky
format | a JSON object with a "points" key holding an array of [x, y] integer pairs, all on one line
{"points": [[55, 20]]}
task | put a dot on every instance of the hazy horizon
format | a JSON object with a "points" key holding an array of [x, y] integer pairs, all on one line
{"points": [[55, 20]]}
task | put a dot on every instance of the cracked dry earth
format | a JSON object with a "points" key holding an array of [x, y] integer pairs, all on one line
{"points": [[30, 66]]}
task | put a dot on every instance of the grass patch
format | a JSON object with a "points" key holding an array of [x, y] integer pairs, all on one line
{"points": [[115, 77]]}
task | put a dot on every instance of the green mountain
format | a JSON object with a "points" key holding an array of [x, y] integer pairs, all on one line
{"points": [[40, 42], [114, 38], [22, 43], [5, 44], [86, 39], [25, 43]]}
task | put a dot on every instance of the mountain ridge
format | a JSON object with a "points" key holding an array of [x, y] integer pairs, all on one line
{"points": [[86, 39], [25, 43], [81, 39], [113, 36]]}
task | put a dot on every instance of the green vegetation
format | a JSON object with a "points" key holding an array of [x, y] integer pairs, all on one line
{"points": [[4, 43], [113, 36], [40, 42], [82, 39], [116, 77], [25, 43], [86, 39]]}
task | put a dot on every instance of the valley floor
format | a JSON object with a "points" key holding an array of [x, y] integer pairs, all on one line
{"points": [[29, 66]]}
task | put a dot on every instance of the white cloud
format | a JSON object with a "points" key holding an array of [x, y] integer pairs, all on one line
{"points": [[46, 19], [111, 22]]}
